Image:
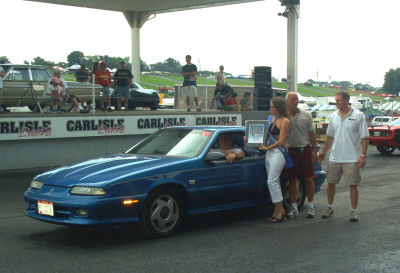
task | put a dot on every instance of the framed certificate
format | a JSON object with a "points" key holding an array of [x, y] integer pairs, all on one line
{"points": [[256, 132]]}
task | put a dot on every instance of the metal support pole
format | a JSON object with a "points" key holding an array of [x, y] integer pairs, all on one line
{"points": [[93, 95], [206, 94], [292, 47]]}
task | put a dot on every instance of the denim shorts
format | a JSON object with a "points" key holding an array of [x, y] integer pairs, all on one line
{"points": [[122, 92], [106, 91]]}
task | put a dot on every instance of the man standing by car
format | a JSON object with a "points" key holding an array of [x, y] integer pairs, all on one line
{"points": [[303, 151], [122, 79], [189, 73], [348, 134], [103, 77], [82, 75]]}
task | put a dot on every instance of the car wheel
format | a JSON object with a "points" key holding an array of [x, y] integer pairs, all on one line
{"points": [[153, 107], [131, 105], [301, 195], [385, 150], [162, 213]]}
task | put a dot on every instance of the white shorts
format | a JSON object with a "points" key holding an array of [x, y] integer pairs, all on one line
{"points": [[190, 91]]}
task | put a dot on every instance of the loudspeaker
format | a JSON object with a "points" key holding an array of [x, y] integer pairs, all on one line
{"points": [[262, 77], [261, 98]]}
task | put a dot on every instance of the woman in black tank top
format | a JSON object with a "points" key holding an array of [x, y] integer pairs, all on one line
{"points": [[274, 159]]}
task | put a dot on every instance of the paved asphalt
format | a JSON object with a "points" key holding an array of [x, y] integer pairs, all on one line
{"points": [[237, 241]]}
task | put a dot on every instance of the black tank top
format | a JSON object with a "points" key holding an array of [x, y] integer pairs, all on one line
{"points": [[274, 131]]}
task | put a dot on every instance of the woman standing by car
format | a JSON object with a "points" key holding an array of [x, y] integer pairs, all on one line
{"points": [[274, 158]]}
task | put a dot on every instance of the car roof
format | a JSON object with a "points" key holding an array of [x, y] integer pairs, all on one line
{"points": [[25, 65]]}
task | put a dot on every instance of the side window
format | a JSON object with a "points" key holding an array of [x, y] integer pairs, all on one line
{"points": [[40, 75], [18, 74]]}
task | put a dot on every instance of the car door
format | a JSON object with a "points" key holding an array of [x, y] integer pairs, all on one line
{"points": [[40, 78], [220, 183], [17, 87]]}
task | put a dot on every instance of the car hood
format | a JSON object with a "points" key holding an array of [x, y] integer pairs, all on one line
{"points": [[100, 171]]}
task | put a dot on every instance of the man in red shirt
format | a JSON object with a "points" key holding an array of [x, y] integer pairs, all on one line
{"points": [[103, 77]]}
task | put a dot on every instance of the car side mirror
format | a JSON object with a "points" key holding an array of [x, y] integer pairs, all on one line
{"points": [[215, 156]]}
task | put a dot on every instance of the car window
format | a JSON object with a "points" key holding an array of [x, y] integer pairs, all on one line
{"points": [[18, 74], [40, 75], [174, 142]]}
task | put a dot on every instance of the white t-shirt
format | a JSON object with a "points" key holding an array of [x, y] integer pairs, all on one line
{"points": [[50, 89], [347, 134]]}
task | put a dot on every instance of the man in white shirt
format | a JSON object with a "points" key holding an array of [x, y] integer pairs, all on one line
{"points": [[348, 134]]}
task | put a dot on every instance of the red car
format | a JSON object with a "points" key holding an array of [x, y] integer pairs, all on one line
{"points": [[386, 138]]}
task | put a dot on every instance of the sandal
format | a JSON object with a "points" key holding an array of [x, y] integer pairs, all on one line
{"points": [[277, 220]]}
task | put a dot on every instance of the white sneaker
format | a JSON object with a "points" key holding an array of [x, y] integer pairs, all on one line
{"points": [[353, 216], [310, 212], [293, 213], [328, 213]]}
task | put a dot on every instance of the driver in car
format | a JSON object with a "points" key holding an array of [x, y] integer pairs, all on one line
{"points": [[225, 147]]}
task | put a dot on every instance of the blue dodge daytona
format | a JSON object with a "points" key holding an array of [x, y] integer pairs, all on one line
{"points": [[171, 173]]}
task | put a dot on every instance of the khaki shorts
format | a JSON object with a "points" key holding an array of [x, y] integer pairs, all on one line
{"points": [[190, 91], [350, 172]]}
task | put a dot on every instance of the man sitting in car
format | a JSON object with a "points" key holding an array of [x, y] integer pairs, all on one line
{"points": [[225, 147]]}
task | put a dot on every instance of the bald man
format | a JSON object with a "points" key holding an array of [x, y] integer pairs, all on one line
{"points": [[303, 151]]}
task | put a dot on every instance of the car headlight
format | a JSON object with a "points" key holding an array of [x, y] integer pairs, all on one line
{"points": [[82, 190], [36, 184]]}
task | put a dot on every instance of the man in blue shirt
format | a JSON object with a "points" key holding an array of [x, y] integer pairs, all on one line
{"points": [[189, 73]]}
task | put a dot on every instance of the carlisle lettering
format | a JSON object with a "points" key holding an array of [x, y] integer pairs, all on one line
{"points": [[146, 123], [216, 121], [18, 127], [100, 125]]}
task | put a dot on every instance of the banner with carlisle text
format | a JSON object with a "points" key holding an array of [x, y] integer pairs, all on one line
{"points": [[94, 126]]}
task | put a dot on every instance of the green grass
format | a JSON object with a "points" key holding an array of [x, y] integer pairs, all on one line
{"points": [[155, 81]]}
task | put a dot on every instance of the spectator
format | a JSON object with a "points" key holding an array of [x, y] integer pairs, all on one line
{"points": [[82, 75], [189, 73], [220, 96], [225, 147], [245, 102], [122, 80], [231, 103], [220, 78], [274, 158], [303, 151], [103, 77], [64, 93], [347, 132], [52, 93]]}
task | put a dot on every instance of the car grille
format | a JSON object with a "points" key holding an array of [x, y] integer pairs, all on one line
{"points": [[380, 133], [59, 212]]}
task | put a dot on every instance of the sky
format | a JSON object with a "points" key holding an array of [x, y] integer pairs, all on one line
{"points": [[339, 40]]}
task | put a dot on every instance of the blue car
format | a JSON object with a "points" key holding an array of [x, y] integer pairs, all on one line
{"points": [[171, 173]]}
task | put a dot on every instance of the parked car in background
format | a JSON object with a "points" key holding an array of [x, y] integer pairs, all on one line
{"points": [[383, 120], [170, 174], [386, 138], [24, 86], [140, 97]]}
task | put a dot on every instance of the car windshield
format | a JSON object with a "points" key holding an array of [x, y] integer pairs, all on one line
{"points": [[397, 122], [179, 142]]}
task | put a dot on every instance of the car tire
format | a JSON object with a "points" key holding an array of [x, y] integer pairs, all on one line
{"points": [[385, 150], [301, 195], [153, 107], [162, 213]]}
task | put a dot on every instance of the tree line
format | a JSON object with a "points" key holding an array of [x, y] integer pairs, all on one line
{"points": [[170, 65]]}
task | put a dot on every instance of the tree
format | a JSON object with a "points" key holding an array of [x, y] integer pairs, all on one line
{"points": [[392, 81], [40, 61], [169, 65], [4, 59], [75, 57], [144, 66]]}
